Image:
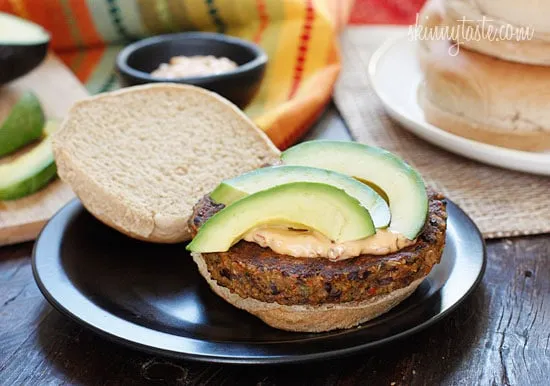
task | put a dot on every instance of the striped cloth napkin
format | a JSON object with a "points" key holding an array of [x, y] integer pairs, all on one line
{"points": [[299, 36], [401, 12]]}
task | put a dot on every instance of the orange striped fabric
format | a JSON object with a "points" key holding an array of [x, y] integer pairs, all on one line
{"points": [[299, 36]]}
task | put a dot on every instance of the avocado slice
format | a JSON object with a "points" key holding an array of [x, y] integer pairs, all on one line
{"points": [[23, 46], [31, 171], [23, 124], [402, 184], [236, 188], [311, 205]]}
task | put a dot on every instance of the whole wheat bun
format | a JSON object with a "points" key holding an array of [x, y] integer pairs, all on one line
{"points": [[306, 318], [141, 157], [531, 48], [483, 98]]}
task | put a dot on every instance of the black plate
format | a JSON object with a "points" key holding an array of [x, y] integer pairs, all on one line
{"points": [[151, 297]]}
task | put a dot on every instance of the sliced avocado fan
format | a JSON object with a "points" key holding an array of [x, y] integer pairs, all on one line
{"points": [[236, 188], [403, 185], [313, 205]]}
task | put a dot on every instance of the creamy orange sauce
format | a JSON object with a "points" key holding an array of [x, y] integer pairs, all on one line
{"points": [[306, 243]]}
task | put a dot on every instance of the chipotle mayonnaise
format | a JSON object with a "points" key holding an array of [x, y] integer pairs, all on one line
{"points": [[308, 243]]}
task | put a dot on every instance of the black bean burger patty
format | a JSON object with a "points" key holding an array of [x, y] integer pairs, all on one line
{"points": [[252, 271]]}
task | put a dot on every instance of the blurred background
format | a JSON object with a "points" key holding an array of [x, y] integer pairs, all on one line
{"points": [[298, 36]]}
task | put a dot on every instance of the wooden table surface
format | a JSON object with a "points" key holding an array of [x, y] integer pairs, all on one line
{"points": [[500, 335]]}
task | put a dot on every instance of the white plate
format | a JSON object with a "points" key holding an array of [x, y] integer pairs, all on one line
{"points": [[395, 75]]}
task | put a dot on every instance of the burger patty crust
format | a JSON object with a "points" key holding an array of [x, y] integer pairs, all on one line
{"points": [[255, 272]]}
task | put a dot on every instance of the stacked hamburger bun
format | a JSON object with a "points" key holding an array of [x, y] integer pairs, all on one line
{"points": [[492, 91]]}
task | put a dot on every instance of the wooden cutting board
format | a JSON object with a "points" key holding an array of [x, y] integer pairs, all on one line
{"points": [[57, 88]]}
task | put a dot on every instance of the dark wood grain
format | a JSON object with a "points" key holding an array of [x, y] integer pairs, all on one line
{"points": [[499, 336]]}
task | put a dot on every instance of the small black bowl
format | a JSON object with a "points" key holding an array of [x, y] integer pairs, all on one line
{"points": [[138, 60]]}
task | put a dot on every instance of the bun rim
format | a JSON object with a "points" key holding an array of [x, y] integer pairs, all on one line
{"points": [[480, 132], [309, 318]]}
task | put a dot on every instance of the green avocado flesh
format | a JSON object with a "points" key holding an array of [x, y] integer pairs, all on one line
{"points": [[23, 124], [402, 184], [313, 205], [236, 188], [31, 171], [17, 31]]}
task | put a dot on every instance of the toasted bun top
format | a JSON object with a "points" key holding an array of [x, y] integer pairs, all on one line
{"points": [[140, 158]]}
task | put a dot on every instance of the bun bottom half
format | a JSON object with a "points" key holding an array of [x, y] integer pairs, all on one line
{"points": [[308, 318], [481, 132]]}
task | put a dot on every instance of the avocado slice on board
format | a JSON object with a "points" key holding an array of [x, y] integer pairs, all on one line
{"points": [[31, 171], [23, 124]]}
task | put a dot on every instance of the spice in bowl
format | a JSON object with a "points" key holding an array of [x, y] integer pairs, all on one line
{"points": [[190, 66]]}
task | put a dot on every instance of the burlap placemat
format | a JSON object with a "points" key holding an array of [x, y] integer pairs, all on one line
{"points": [[502, 203]]}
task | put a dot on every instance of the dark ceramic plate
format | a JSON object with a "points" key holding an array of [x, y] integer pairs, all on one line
{"points": [[151, 297]]}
